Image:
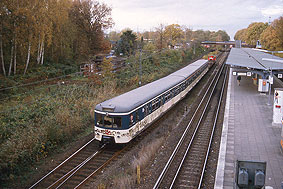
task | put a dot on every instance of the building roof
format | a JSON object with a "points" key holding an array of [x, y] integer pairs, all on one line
{"points": [[133, 99], [252, 58]]}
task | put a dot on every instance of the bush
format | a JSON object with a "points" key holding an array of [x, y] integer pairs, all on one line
{"points": [[30, 132]]}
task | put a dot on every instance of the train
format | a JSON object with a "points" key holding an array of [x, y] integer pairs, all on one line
{"points": [[212, 59], [122, 118]]}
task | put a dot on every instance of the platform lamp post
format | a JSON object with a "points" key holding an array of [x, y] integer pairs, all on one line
{"points": [[270, 83]]}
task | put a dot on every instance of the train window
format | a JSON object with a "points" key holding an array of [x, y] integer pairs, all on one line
{"points": [[145, 110], [117, 122], [155, 104], [137, 116], [167, 97], [131, 119], [108, 121], [99, 119]]}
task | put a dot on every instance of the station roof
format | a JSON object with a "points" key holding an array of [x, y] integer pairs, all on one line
{"points": [[252, 58]]}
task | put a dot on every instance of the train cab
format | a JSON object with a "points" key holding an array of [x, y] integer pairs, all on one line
{"points": [[107, 127], [211, 60]]}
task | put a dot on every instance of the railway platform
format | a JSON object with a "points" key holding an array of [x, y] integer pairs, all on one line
{"points": [[248, 134]]}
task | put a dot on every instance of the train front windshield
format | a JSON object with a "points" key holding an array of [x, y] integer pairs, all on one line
{"points": [[108, 121]]}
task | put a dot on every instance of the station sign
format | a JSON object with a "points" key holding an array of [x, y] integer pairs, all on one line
{"points": [[249, 74], [279, 76]]}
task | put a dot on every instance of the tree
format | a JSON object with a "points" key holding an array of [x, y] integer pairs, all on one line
{"points": [[188, 34], [114, 36], [90, 18], [241, 35], [269, 39], [199, 36], [222, 35], [173, 34], [127, 43], [254, 31], [107, 69], [160, 36], [61, 30], [278, 27]]}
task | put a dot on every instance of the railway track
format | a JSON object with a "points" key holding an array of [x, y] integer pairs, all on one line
{"points": [[79, 167], [85, 163], [187, 163]]}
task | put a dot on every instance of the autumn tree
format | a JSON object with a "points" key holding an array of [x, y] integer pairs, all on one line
{"points": [[90, 18], [254, 31], [220, 35], [270, 36], [199, 36], [173, 34], [241, 35], [188, 34], [57, 30], [160, 41], [278, 27], [114, 36], [269, 39]]}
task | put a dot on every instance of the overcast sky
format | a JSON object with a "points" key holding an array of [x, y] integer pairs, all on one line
{"points": [[228, 15]]}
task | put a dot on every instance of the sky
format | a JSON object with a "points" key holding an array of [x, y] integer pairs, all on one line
{"points": [[228, 15]]}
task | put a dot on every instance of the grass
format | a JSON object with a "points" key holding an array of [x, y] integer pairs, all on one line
{"points": [[33, 126], [146, 153], [128, 177]]}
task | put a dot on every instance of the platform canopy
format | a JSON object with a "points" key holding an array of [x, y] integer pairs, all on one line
{"points": [[254, 59]]}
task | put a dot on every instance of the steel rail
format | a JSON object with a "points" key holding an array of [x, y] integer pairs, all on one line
{"points": [[196, 129], [99, 168], [214, 125], [40, 180], [71, 171], [76, 169], [165, 169]]}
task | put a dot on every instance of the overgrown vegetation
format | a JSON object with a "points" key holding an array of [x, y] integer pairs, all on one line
{"points": [[32, 130], [155, 65], [128, 177]]}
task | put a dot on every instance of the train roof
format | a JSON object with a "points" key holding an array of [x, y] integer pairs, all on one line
{"points": [[134, 98]]}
